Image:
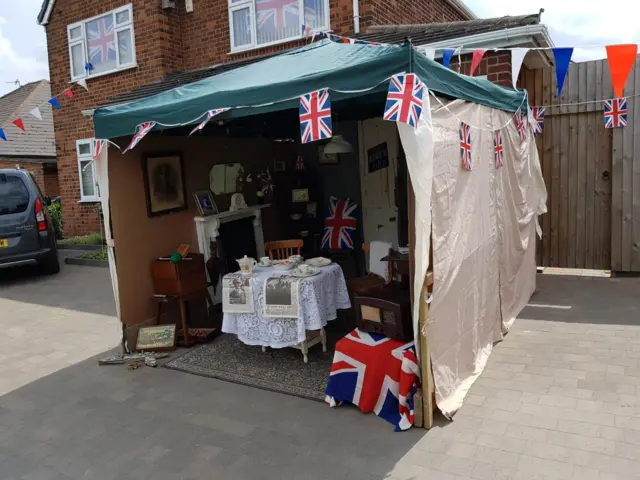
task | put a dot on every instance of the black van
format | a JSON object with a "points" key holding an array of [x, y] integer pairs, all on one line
{"points": [[26, 233]]}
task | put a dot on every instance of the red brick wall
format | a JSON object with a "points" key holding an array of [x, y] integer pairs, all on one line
{"points": [[51, 185], [495, 65], [173, 40]]}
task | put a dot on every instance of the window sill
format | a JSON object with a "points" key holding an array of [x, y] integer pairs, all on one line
{"points": [[235, 51], [102, 74], [89, 200]]}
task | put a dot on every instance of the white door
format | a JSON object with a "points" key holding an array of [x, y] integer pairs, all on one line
{"points": [[378, 170]]}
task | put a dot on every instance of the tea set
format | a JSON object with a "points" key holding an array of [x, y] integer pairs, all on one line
{"points": [[294, 263]]}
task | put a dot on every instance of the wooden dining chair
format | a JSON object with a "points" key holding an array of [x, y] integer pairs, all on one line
{"points": [[283, 249]]}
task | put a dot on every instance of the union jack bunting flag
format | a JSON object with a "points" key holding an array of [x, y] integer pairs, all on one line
{"points": [[299, 163], [615, 113], [98, 145], [102, 42], [143, 129], [377, 374], [315, 116], [520, 126], [538, 119], [465, 145], [498, 148], [340, 224], [210, 115], [404, 99]]}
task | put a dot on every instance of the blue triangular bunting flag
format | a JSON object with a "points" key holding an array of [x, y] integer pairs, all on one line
{"points": [[563, 57], [54, 102], [447, 53], [2, 135]]}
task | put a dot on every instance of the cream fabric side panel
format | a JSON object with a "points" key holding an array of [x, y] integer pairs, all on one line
{"points": [[418, 148], [464, 317], [102, 172]]}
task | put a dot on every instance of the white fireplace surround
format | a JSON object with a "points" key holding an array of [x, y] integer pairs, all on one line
{"points": [[207, 228]]}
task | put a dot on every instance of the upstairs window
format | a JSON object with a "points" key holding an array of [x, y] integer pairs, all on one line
{"points": [[258, 23], [104, 43]]}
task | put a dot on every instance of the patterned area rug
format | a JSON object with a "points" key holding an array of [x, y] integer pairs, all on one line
{"points": [[279, 370]]}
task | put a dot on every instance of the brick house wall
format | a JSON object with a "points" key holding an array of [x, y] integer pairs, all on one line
{"points": [[168, 41], [47, 180], [495, 65]]}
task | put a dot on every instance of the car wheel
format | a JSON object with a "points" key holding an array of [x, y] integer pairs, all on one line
{"points": [[51, 265]]}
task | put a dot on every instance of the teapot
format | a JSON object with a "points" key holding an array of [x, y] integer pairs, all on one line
{"points": [[246, 264]]}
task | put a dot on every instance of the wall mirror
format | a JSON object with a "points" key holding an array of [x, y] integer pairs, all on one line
{"points": [[223, 178]]}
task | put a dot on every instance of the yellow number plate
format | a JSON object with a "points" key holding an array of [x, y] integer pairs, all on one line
{"points": [[4, 242]]}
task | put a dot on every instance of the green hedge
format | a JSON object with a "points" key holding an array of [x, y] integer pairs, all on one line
{"points": [[55, 214]]}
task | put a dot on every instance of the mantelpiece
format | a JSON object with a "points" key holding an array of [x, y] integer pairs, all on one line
{"points": [[207, 228]]}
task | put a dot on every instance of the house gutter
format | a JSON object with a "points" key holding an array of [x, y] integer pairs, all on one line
{"points": [[356, 16]]}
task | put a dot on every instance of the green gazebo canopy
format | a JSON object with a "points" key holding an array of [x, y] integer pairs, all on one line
{"points": [[276, 83]]}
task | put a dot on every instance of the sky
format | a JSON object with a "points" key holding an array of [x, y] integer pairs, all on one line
{"points": [[573, 23]]}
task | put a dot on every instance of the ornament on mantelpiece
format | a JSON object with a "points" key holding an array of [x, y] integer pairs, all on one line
{"points": [[266, 182]]}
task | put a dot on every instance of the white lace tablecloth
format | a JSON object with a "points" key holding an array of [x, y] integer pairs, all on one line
{"points": [[320, 298]]}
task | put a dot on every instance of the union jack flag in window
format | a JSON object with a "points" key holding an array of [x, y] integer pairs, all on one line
{"points": [[404, 99], [143, 129], [498, 148], [615, 113], [465, 145], [340, 224], [277, 14], [538, 119], [315, 116], [101, 41]]}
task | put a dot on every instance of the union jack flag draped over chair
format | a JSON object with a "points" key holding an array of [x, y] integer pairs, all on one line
{"points": [[538, 119], [404, 99], [498, 148], [210, 115], [340, 224], [315, 116], [615, 113], [377, 374], [465, 145], [143, 129]]}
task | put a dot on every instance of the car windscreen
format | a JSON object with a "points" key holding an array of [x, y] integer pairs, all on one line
{"points": [[14, 196]]}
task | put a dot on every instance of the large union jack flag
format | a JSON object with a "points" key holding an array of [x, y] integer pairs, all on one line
{"points": [[340, 224], [377, 374], [538, 119], [210, 115], [465, 145], [143, 129], [615, 113], [277, 14], [101, 40], [315, 116], [404, 99], [498, 148]]}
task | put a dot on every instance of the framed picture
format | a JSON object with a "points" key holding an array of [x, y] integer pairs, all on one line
{"points": [[327, 159], [164, 183], [204, 202], [300, 195], [312, 208], [279, 166], [157, 338]]}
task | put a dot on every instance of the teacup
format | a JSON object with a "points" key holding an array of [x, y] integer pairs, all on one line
{"points": [[265, 261]]}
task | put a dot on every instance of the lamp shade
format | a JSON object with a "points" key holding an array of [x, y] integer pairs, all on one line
{"points": [[338, 145]]}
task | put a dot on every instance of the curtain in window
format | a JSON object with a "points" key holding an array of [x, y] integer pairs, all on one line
{"points": [[86, 176], [315, 13]]}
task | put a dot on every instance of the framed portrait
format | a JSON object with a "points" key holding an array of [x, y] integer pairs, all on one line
{"points": [[205, 203], [327, 158], [164, 183], [300, 195]]}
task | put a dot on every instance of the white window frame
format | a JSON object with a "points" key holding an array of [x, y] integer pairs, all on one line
{"points": [[242, 4], [82, 40], [87, 157]]}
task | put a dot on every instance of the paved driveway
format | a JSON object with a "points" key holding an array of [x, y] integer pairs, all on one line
{"points": [[560, 399], [51, 322]]}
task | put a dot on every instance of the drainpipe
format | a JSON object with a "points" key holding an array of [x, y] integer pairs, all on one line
{"points": [[356, 17]]}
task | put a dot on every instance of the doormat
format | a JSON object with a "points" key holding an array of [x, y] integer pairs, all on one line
{"points": [[278, 370]]}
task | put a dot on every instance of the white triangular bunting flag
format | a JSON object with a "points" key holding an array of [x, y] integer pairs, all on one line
{"points": [[83, 84], [36, 113], [430, 53], [517, 57]]}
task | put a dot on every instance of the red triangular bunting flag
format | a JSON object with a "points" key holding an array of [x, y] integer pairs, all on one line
{"points": [[621, 60], [69, 94], [18, 123], [477, 58]]}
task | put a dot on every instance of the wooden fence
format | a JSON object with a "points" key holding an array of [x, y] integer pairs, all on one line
{"points": [[591, 173]]}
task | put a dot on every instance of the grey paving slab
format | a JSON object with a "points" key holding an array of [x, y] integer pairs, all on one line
{"points": [[559, 400]]}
